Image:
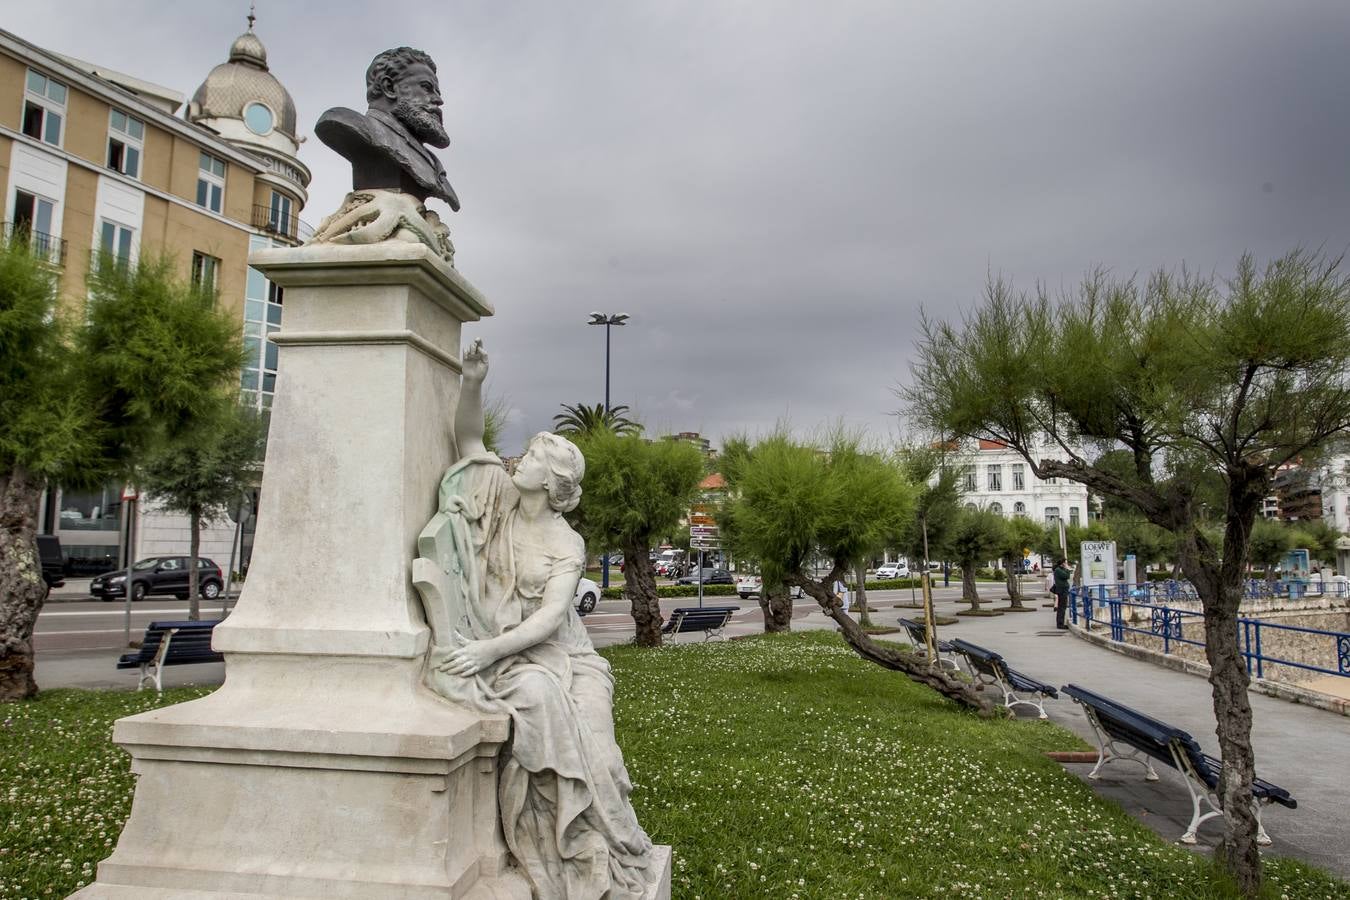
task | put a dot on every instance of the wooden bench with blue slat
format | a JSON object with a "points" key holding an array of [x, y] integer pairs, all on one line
{"points": [[991, 668], [1144, 737], [171, 644], [708, 619], [919, 640]]}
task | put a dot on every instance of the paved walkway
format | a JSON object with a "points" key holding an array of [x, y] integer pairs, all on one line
{"points": [[1302, 749]]}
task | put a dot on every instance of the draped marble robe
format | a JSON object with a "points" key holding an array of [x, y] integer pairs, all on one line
{"points": [[563, 789]]}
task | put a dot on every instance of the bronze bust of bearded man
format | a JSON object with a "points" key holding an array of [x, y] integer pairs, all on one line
{"points": [[385, 146]]}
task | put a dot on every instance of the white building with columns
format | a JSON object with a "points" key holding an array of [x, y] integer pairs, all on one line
{"points": [[996, 477]]}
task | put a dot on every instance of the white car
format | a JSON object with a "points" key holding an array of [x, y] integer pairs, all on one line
{"points": [[588, 594], [748, 586], [893, 570]]}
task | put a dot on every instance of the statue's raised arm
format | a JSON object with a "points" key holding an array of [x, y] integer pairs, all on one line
{"points": [[469, 412]]}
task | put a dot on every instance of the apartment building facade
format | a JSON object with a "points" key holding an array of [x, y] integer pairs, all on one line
{"points": [[997, 478], [93, 160]]}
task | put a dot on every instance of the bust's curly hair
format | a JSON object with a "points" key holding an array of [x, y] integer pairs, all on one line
{"points": [[390, 64]]}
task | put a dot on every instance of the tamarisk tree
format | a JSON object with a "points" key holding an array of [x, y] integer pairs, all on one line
{"points": [[634, 492], [1201, 381], [82, 395], [795, 502]]}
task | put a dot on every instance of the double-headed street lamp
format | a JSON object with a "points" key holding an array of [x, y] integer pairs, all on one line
{"points": [[602, 319], [607, 321]]}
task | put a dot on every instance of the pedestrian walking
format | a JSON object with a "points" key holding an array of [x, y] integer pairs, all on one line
{"points": [[1063, 577]]}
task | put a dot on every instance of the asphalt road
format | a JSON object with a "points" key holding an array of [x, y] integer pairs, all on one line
{"points": [[71, 624]]}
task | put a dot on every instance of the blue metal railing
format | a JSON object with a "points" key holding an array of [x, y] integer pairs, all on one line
{"points": [[1107, 605]]}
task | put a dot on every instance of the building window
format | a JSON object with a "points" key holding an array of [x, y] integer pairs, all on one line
{"points": [[262, 317], [995, 478], [96, 510], [1051, 515], [44, 108], [126, 136], [34, 215], [1052, 480], [258, 118], [211, 183], [1073, 516], [205, 269], [996, 508], [280, 216], [1019, 482], [1019, 508], [116, 241], [968, 479]]}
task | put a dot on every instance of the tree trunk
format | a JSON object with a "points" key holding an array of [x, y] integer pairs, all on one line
{"points": [[776, 602], [969, 592], [22, 587], [860, 595], [1219, 585], [1014, 585], [194, 547], [639, 586], [921, 670]]}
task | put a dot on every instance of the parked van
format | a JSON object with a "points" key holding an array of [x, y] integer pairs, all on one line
{"points": [[53, 560]]}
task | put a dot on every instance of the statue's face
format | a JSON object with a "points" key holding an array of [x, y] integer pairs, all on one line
{"points": [[417, 104], [532, 470]]}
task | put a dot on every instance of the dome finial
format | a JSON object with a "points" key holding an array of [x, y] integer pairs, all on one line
{"points": [[251, 16]]}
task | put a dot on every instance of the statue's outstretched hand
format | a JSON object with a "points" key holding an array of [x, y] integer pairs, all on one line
{"points": [[475, 363]]}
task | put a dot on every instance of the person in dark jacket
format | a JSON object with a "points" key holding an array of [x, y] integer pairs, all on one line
{"points": [[1063, 578]]}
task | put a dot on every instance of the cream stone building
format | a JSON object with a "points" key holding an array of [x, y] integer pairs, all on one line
{"points": [[96, 160]]}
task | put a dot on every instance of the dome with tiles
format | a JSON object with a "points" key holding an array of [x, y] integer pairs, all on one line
{"points": [[244, 89]]}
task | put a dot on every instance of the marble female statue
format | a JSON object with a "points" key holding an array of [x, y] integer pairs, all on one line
{"points": [[507, 638]]}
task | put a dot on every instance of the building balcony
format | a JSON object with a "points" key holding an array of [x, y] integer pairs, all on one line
{"points": [[288, 228], [47, 247]]}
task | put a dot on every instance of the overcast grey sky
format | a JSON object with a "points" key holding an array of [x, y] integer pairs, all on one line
{"points": [[772, 190]]}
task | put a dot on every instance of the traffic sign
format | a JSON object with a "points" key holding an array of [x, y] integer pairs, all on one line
{"points": [[701, 519]]}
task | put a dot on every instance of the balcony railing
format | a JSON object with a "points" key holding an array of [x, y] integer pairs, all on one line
{"points": [[47, 247], [288, 227]]}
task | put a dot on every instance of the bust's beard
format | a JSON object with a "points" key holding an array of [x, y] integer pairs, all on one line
{"points": [[421, 123]]}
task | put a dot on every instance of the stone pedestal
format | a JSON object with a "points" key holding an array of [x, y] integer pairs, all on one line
{"points": [[322, 767]]}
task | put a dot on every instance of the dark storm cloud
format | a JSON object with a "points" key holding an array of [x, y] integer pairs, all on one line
{"points": [[773, 190]]}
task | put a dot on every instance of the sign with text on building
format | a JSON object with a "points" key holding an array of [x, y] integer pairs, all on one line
{"points": [[1098, 562]]}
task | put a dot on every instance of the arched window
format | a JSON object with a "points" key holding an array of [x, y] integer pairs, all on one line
{"points": [[972, 507], [1019, 508], [996, 508]]}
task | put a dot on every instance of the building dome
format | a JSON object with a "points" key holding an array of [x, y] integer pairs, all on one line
{"points": [[243, 89]]}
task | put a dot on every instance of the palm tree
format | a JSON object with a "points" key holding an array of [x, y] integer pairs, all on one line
{"points": [[583, 419]]}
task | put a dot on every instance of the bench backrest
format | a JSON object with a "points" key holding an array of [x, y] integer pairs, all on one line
{"points": [[191, 640], [692, 618], [1152, 736], [982, 660], [917, 634]]}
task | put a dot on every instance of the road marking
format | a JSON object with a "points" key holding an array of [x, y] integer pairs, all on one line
{"points": [[120, 611]]}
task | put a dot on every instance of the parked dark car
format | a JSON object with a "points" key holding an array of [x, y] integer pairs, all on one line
{"points": [[710, 576], [53, 560], [159, 575]]}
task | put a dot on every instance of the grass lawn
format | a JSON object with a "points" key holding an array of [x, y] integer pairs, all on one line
{"points": [[777, 767]]}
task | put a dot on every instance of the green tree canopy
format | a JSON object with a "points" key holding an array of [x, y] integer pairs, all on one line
{"points": [[203, 471], [83, 393], [635, 492], [976, 537], [1201, 381]]}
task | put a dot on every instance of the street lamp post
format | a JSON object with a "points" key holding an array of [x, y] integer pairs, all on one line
{"points": [[607, 321]]}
